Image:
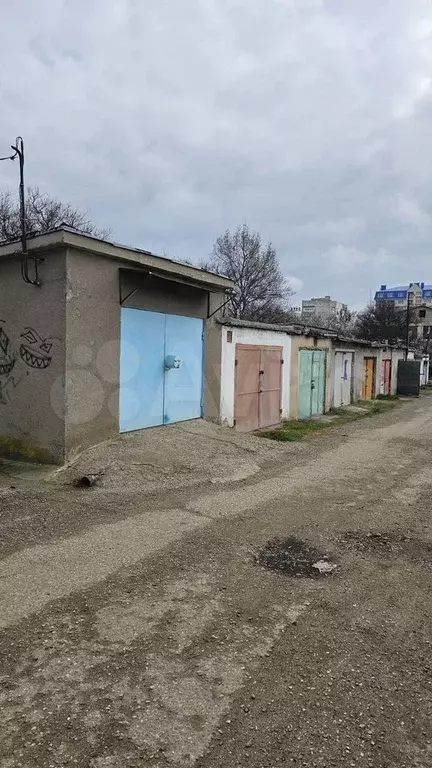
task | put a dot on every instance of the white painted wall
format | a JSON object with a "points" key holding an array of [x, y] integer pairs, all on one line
{"points": [[260, 338]]}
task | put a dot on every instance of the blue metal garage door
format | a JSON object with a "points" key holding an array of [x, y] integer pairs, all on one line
{"points": [[161, 365]]}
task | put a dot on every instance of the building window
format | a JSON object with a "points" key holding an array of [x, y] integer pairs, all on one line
{"points": [[422, 313], [426, 331]]}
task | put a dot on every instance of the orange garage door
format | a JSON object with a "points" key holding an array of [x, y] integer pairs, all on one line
{"points": [[369, 378]]}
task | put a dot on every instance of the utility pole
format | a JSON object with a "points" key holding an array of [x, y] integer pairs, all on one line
{"points": [[408, 318], [18, 151]]}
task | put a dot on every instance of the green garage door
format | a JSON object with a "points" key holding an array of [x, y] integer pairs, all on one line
{"points": [[311, 383]]}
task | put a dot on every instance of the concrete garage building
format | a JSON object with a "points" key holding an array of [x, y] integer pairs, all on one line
{"points": [[255, 373], [112, 340]]}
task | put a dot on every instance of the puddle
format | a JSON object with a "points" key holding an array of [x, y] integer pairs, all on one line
{"points": [[294, 557]]}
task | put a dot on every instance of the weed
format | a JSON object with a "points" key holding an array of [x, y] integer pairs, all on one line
{"points": [[292, 431]]}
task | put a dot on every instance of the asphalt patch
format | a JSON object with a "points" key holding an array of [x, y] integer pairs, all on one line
{"points": [[292, 557]]}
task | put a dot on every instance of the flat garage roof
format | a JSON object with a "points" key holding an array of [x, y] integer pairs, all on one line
{"points": [[70, 238]]}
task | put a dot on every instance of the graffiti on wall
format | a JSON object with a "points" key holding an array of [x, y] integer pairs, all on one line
{"points": [[35, 353], [7, 360], [32, 351]]}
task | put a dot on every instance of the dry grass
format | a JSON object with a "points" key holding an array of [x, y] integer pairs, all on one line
{"points": [[292, 431]]}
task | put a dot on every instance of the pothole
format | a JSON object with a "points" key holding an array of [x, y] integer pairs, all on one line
{"points": [[294, 557]]}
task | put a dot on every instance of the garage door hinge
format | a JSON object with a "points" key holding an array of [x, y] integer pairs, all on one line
{"points": [[282, 362], [234, 422], [236, 362]]}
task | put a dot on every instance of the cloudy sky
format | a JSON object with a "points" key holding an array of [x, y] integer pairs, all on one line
{"points": [[172, 120]]}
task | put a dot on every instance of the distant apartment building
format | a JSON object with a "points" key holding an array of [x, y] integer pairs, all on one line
{"points": [[421, 322], [420, 301], [322, 308], [419, 293]]}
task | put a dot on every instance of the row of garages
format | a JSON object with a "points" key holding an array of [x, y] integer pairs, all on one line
{"points": [[116, 340], [270, 373], [261, 374]]}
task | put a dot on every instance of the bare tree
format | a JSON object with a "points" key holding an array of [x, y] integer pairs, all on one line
{"points": [[261, 291], [343, 321], [382, 322], [278, 314], [42, 214]]}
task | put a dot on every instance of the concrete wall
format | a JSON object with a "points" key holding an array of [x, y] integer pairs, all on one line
{"points": [[92, 350], [305, 342], [260, 338], [32, 360], [212, 370]]}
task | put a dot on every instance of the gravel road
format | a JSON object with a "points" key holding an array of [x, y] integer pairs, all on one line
{"points": [[143, 628]]}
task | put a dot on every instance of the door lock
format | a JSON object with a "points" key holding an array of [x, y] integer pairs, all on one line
{"points": [[171, 361]]}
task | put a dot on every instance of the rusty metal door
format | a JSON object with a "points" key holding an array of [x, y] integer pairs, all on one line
{"points": [[258, 386], [369, 378]]}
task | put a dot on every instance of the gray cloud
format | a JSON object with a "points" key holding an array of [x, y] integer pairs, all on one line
{"points": [[170, 121]]}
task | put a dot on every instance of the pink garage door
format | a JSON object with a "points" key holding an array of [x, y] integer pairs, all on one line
{"points": [[387, 376], [258, 385]]}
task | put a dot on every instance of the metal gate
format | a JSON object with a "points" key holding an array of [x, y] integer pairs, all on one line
{"points": [[343, 366], [386, 374], [161, 369], [258, 387], [408, 377], [369, 378], [311, 383]]}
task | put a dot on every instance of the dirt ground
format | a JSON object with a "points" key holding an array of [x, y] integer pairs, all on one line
{"points": [[140, 625]]}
